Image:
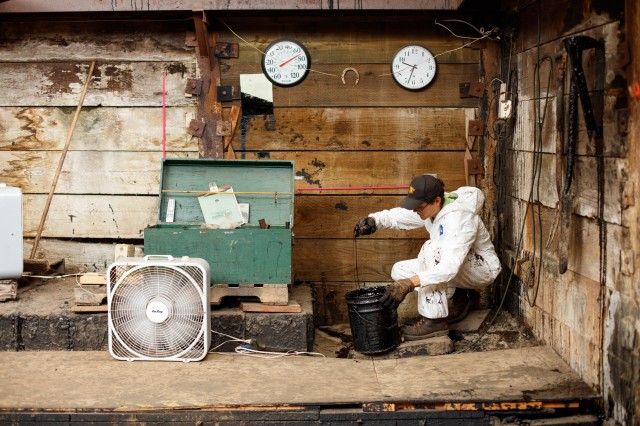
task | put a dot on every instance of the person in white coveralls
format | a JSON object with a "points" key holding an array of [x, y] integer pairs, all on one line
{"points": [[457, 260]]}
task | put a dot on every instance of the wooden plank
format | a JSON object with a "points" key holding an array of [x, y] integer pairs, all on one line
{"points": [[98, 129], [91, 216], [92, 279], [584, 181], [319, 381], [140, 129], [335, 260], [291, 307], [352, 168], [344, 39], [334, 216], [118, 83], [80, 256], [375, 89], [139, 172], [584, 247], [369, 129], [51, 40]]}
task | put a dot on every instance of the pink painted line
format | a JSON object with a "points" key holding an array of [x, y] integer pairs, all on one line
{"points": [[354, 188], [164, 114]]}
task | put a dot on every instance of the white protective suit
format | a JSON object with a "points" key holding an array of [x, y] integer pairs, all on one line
{"points": [[459, 252]]}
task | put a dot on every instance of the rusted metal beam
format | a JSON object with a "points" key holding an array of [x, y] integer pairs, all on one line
{"points": [[39, 6]]}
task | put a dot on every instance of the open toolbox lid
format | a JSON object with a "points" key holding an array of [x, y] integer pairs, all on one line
{"points": [[266, 185]]}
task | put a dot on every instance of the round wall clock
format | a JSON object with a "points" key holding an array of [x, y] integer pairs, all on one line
{"points": [[286, 62], [413, 67]]}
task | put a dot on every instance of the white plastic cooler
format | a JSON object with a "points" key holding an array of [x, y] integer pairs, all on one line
{"points": [[11, 255]]}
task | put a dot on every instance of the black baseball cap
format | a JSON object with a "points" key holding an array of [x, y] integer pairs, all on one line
{"points": [[423, 188]]}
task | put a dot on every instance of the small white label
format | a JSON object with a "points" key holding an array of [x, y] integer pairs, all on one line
{"points": [[171, 210]]}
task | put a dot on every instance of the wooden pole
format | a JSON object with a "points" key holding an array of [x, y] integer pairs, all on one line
{"points": [[61, 162]]}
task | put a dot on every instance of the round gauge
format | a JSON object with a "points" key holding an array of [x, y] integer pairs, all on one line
{"points": [[413, 67], [286, 62]]}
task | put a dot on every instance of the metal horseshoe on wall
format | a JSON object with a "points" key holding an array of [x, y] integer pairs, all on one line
{"points": [[355, 71]]}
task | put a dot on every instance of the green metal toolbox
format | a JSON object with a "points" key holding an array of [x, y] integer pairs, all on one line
{"points": [[248, 254]]}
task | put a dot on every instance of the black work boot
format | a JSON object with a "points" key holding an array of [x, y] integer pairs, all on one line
{"points": [[462, 301], [425, 328]]}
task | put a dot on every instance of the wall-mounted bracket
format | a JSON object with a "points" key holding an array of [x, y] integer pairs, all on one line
{"points": [[223, 128], [474, 166], [476, 128], [475, 89], [226, 50], [193, 87], [622, 117], [196, 128], [227, 93]]}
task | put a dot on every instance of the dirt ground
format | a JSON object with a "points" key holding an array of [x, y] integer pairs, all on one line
{"points": [[505, 332]]}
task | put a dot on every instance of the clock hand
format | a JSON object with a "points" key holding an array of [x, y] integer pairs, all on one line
{"points": [[288, 60], [412, 66]]}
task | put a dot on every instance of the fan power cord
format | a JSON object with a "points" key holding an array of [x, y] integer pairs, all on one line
{"points": [[245, 350]]}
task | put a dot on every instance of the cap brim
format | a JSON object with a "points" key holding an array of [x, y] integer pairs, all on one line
{"points": [[410, 203]]}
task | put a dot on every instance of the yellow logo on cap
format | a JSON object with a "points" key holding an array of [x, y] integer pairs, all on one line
{"points": [[411, 190]]}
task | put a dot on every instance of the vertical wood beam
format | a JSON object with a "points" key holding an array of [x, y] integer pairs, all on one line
{"points": [[209, 109]]}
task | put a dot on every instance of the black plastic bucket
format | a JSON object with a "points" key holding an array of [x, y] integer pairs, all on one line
{"points": [[374, 328]]}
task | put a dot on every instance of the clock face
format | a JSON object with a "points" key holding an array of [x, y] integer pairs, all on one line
{"points": [[413, 67], [286, 62]]}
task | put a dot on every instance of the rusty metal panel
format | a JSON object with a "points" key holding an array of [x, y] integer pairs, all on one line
{"points": [[476, 128], [193, 86]]}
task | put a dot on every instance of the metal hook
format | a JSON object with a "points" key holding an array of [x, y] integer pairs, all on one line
{"points": [[355, 71]]}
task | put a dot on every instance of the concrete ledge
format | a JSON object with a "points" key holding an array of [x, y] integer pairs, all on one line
{"points": [[41, 319]]}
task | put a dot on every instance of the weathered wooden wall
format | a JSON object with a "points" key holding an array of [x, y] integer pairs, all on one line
{"points": [[369, 134], [586, 318]]}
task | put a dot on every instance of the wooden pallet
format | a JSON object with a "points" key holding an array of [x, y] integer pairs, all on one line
{"points": [[269, 294]]}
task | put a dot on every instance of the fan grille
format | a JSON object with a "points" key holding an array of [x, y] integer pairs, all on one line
{"points": [[140, 328]]}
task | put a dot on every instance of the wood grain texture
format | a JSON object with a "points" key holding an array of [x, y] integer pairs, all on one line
{"points": [[343, 39], [584, 184], [375, 89], [92, 216], [124, 172], [335, 259], [98, 129], [334, 216], [369, 129], [126, 84], [112, 40]]}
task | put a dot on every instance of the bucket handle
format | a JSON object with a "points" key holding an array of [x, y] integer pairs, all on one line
{"points": [[373, 323]]}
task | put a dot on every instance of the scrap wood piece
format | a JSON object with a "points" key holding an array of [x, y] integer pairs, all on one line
{"points": [[291, 307], [92, 295], [44, 266], [93, 278], [8, 290]]}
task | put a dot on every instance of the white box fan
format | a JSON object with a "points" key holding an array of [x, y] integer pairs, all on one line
{"points": [[159, 308]]}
